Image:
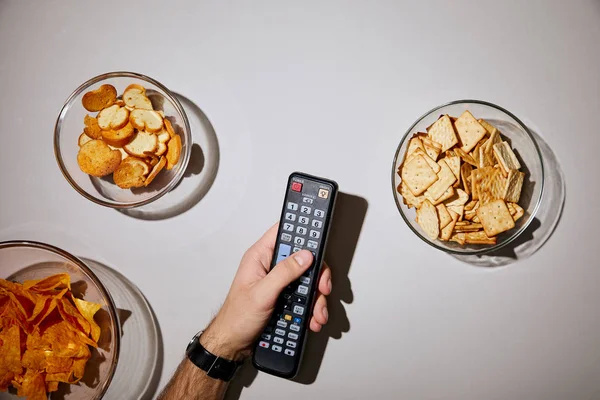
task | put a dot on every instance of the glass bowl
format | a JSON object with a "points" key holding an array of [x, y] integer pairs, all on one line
{"points": [[523, 145], [104, 191], [23, 260]]}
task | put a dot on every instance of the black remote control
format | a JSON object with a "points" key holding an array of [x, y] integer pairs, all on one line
{"points": [[305, 220]]}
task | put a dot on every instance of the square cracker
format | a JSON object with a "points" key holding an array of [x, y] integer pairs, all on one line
{"points": [[434, 166], [432, 151], [413, 144], [506, 156], [427, 218], [466, 157], [519, 212], [442, 132], [447, 194], [443, 215], [495, 217], [460, 199], [445, 179], [491, 185], [446, 231], [514, 184], [479, 238], [459, 238], [418, 175], [469, 131], [454, 164], [465, 174], [460, 210], [487, 126], [408, 198]]}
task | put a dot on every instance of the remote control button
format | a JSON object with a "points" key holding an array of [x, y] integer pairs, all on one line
{"points": [[323, 193], [319, 213], [265, 336], [279, 332], [317, 224], [276, 348], [289, 227], [284, 249], [312, 244], [297, 320], [264, 344], [315, 234], [307, 200], [281, 324], [295, 328], [298, 240], [305, 280], [292, 206], [290, 217], [290, 344], [303, 220], [286, 237], [296, 186], [303, 290], [289, 352], [278, 340], [300, 300], [297, 249], [287, 317], [301, 230], [305, 210], [293, 336], [298, 310]]}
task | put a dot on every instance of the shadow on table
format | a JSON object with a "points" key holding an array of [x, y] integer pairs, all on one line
{"points": [[200, 173], [542, 225], [345, 231], [141, 338]]}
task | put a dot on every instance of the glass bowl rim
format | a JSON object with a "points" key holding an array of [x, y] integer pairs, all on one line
{"points": [[67, 105], [116, 332], [515, 234]]}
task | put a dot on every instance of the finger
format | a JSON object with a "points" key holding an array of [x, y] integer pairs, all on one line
{"points": [[320, 313], [315, 326], [286, 272], [262, 250], [325, 280], [267, 241]]}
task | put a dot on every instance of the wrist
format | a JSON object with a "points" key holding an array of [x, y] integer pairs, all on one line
{"points": [[217, 340]]}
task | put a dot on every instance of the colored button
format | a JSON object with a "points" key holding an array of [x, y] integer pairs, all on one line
{"points": [[264, 344], [296, 186], [323, 193], [287, 317], [297, 320]]}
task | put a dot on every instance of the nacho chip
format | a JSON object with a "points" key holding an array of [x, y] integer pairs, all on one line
{"points": [[88, 310], [58, 281]]}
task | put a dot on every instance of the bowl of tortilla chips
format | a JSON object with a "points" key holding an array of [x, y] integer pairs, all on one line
{"points": [[59, 329]]}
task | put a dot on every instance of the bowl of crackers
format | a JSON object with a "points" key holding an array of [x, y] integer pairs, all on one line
{"points": [[59, 328], [467, 177], [122, 140]]}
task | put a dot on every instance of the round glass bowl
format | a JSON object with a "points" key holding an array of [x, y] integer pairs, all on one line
{"points": [[22, 260], [103, 191], [523, 145]]}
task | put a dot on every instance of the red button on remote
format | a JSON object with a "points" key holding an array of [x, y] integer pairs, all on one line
{"points": [[296, 187]]}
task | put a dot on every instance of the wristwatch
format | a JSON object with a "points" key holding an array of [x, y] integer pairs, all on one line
{"points": [[215, 366]]}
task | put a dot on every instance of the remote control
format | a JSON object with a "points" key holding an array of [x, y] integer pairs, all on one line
{"points": [[305, 220]]}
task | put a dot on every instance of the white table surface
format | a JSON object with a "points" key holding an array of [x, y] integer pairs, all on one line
{"points": [[329, 88]]}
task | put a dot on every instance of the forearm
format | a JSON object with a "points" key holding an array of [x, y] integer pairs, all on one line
{"points": [[191, 383]]}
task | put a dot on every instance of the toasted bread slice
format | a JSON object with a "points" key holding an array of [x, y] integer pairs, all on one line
{"points": [[169, 127], [124, 154], [151, 159], [163, 136], [146, 120], [113, 117], [141, 143], [97, 159], [83, 139], [173, 151], [91, 127], [100, 98], [157, 168], [120, 103], [131, 173], [135, 97], [161, 149], [119, 137]]}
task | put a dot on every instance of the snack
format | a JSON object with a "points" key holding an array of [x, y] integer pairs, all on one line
{"points": [[463, 179], [45, 335], [129, 127]]}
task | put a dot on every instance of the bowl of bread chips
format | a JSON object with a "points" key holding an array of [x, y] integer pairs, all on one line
{"points": [[122, 140], [59, 327], [467, 177]]}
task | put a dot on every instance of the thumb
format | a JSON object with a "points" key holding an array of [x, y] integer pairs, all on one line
{"points": [[286, 272]]}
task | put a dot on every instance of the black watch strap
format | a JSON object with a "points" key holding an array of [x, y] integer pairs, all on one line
{"points": [[215, 367]]}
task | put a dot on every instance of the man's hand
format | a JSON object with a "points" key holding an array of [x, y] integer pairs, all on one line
{"points": [[253, 295]]}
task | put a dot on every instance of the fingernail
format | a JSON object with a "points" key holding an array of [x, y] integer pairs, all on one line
{"points": [[303, 258], [325, 313], [329, 284]]}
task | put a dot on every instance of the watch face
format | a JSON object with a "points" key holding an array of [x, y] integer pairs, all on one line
{"points": [[187, 349]]}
